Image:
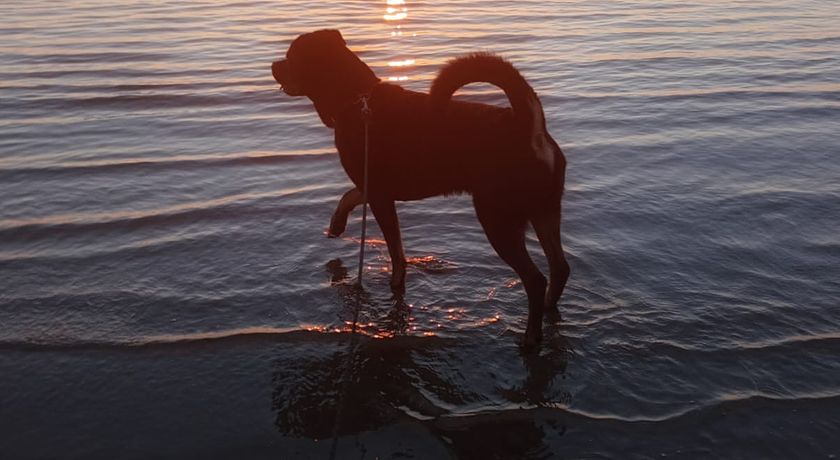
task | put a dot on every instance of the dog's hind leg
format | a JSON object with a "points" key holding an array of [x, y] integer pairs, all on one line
{"points": [[338, 223], [547, 227], [385, 213], [505, 228]]}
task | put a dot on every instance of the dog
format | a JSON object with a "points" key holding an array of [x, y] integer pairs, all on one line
{"points": [[422, 145]]}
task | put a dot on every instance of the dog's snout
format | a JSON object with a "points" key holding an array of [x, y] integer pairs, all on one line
{"points": [[278, 70], [282, 72]]}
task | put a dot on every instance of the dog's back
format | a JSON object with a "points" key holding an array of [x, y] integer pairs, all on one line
{"points": [[427, 144]]}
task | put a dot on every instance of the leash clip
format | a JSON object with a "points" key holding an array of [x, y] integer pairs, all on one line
{"points": [[366, 112]]}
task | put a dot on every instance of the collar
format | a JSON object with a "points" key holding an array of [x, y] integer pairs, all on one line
{"points": [[362, 99]]}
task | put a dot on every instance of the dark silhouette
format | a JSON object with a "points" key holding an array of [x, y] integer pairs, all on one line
{"points": [[423, 145]]}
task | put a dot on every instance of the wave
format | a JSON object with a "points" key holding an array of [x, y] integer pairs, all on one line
{"points": [[243, 334], [86, 58], [172, 162], [300, 334], [130, 101], [230, 207], [115, 74], [819, 341], [778, 197], [824, 94], [724, 404], [171, 241], [28, 87]]}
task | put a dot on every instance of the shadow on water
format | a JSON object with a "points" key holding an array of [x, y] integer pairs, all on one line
{"points": [[369, 379]]}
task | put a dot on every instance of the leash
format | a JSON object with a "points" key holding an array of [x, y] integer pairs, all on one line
{"points": [[366, 117], [353, 348]]}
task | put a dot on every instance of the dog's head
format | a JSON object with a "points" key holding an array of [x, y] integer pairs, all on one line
{"points": [[314, 61]]}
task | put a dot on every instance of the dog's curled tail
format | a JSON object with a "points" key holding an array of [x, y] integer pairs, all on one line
{"points": [[488, 68]]}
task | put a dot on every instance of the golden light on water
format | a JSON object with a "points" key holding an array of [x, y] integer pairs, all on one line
{"points": [[393, 13], [402, 63], [396, 14]]}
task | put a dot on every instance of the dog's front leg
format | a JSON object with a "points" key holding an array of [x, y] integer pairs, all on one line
{"points": [[385, 213], [338, 223]]}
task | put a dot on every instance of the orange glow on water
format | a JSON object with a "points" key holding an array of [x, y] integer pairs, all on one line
{"points": [[396, 17], [366, 329], [402, 63], [396, 14]]}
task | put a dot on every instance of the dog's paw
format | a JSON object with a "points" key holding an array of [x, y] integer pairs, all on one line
{"points": [[335, 230], [552, 315], [532, 340], [398, 277], [530, 346], [338, 224], [551, 312]]}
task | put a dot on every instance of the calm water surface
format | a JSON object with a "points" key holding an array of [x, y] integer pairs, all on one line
{"points": [[167, 291]]}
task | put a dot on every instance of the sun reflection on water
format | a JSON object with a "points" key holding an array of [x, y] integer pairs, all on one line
{"points": [[374, 317], [396, 14], [396, 10]]}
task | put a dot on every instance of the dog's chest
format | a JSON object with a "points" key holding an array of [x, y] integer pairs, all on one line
{"points": [[350, 143]]}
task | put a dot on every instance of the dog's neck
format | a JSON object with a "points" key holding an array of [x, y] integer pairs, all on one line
{"points": [[330, 103]]}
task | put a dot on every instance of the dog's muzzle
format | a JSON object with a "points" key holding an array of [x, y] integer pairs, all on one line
{"points": [[277, 70], [280, 72]]}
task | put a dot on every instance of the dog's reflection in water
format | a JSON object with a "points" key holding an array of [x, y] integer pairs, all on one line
{"points": [[396, 376], [360, 311], [314, 394]]}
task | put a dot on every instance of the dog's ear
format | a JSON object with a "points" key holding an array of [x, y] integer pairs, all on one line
{"points": [[334, 34]]}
